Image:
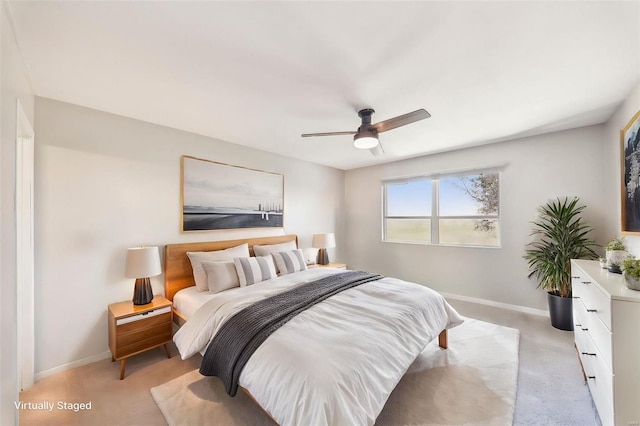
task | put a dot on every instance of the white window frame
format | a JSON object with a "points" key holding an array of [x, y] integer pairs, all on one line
{"points": [[435, 207]]}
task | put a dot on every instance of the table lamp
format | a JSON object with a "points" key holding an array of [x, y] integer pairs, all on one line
{"points": [[142, 263], [323, 242]]}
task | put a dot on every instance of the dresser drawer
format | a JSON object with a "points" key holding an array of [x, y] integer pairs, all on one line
{"points": [[585, 323], [595, 301], [600, 381]]}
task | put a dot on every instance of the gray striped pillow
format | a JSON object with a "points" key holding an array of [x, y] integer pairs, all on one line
{"points": [[289, 261], [253, 270]]}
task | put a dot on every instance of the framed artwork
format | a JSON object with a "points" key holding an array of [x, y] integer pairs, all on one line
{"points": [[221, 196], [630, 170]]}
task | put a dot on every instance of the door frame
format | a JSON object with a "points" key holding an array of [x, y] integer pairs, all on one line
{"points": [[25, 251]]}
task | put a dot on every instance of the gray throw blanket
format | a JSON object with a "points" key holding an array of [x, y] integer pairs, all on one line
{"points": [[244, 332]]}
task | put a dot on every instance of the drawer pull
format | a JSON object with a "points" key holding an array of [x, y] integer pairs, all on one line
{"points": [[585, 282], [578, 325], [575, 278], [588, 353], [591, 377], [584, 329], [592, 310], [576, 297]]}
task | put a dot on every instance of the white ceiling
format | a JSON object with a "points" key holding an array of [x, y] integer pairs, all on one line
{"points": [[260, 74]]}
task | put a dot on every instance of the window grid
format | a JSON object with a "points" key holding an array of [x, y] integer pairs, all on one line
{"points": [[435, 218]]}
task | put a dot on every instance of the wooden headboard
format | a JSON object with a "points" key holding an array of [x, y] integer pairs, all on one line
{"points": [[178, 273]]}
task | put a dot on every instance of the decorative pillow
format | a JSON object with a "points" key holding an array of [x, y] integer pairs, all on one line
{"points": [[221, 275], [253, 270], [289, 261], [197, 257], [274, 248]]}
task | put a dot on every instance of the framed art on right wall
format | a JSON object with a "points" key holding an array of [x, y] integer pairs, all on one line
{"points": [[630, 171]]}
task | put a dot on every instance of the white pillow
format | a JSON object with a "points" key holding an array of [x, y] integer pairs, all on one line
{"points": [[289, 261], [197, 257], [274, 248], [221, 275], [252, 270]]}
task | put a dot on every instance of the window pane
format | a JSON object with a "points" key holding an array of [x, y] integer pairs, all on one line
{"points": [[475, 232], [470, 195], [412, 230], [409, 199]]}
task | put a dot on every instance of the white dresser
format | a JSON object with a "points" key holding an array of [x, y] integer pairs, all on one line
{"points": [[606, 318]]}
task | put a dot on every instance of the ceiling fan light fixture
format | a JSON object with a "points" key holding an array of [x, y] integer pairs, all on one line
{"points": [[365, 140]]}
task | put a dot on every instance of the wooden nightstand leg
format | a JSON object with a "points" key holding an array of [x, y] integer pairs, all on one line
{"points": [[113, 358], [123, 365], [166, 349]]}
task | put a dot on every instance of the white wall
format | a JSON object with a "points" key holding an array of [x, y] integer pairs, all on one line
{"points": [[537, 169], [15, 84], [105, 183], [613, 182]]}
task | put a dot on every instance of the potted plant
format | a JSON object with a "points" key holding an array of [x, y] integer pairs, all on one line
{"points": [[616, 253], [561, 235], [631, 273]]}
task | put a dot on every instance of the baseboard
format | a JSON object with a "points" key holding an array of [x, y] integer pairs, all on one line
{"points": [[64, 367], [509, 306]]}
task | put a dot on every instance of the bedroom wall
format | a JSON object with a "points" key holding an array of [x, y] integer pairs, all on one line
{"points": [[611, 157], [536, 169], [15, 84], [105, 183]]}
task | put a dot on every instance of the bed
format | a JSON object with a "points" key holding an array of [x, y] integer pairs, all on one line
{"points": [[334, 363]]}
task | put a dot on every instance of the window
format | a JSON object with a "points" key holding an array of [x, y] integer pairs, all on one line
{"points": [[461, 209]]}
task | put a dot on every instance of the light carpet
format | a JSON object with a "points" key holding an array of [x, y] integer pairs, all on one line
{"points": [[471, 383]]}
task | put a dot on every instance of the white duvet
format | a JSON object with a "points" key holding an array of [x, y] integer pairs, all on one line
{"points": [[337, 362]]}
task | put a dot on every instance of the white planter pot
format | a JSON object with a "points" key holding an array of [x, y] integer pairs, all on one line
{"points": [[631, 282], [616, 257]]}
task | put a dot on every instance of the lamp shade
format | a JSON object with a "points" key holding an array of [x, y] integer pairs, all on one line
{"points": [[142, 262], [324, 240]]}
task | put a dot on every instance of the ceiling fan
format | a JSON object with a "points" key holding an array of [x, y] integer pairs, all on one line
{"points": [[366, 137]]}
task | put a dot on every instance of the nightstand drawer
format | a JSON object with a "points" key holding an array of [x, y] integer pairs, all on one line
{"points": [[328, 265], [144, 315], [144, 322], [124, 339], [142, 340]]}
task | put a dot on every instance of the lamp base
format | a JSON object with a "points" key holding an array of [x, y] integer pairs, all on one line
{"points": [[142, 292], [323, 257]]}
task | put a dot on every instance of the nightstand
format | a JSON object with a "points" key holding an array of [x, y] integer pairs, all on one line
{"points": [[134, 329], [329, 265]]}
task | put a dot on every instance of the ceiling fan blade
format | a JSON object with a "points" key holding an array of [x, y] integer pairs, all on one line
{"points": [[308, 135], [401, 120], [377, 150]]}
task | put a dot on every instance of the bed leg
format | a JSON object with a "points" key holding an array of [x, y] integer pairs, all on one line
{"points": [[442, 339]]}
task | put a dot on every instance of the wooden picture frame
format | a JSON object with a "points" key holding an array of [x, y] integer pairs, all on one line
{"points": [[217, 196], [630, 176]]}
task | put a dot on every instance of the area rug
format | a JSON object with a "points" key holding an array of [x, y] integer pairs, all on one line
{"points": [[471, 383]]}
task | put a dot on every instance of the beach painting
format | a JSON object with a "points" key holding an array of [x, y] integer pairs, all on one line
{"points": [[221, 196], [630, 165]]}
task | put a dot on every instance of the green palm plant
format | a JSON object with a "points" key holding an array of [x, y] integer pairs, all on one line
{"points": [[561, 236]]}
